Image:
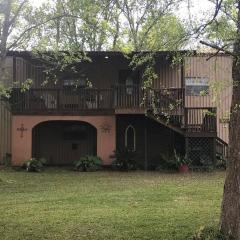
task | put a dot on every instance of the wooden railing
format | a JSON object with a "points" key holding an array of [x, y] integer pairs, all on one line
{"points": [[75, 99], [200, 120], [128, 96], [65, 100], [168, 102]]}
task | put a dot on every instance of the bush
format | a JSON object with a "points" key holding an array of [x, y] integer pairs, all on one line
{"points": [[165, 162], [88, 163], [210, 233], [124, 160], [34, 164], [7, 160], [221, 161]]}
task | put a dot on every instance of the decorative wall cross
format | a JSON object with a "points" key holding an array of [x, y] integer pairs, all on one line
{"points": [[22, 130]]}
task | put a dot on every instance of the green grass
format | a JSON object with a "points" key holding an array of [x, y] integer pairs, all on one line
{"points": [[61, 204]]}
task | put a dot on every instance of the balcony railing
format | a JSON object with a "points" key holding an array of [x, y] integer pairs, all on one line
{"points": [[77, 99], [61, 100], [200, 120], [80, 100]]}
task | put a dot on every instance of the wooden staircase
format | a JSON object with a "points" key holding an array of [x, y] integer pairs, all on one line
{"points": [[167, 107]]}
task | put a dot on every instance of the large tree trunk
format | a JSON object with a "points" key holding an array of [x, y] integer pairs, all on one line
{"points": [[230, 217]]}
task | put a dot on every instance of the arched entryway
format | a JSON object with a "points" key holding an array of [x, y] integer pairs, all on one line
{"points": [[63, 142]]}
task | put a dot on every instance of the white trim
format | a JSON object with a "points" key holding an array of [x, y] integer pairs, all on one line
{"points": [[134, 137]]}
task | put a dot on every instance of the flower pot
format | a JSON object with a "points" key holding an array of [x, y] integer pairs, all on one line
{"points": [[183, 168]]}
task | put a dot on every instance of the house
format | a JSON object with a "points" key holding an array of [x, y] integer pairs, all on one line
{"points": [[62, 122]]}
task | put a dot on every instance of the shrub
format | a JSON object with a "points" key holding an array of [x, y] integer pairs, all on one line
{"points": [[7, 160], [34, 164], [88, 163], [221, 161], [210, 233], [124, 160], [166, 162]]}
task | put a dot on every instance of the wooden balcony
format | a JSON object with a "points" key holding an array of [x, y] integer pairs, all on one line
{"points": [[91, 101], [77, 100], [62, 101]]}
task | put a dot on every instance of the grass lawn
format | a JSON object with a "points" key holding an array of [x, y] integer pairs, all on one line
{"points": [[61, 204]]}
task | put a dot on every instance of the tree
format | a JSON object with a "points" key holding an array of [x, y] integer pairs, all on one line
{"points": [[91, 25], [230, 217], [10, 12], [227, 13], [110, 25], [143, 16]]}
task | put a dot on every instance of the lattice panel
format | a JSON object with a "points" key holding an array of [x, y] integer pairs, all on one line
{"points": [[201, 151]]}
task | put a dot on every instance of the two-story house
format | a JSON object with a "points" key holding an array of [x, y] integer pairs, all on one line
{"points": [[186, 109]]}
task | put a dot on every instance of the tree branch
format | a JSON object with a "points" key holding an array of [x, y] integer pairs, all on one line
{"points": [[216, 47]]}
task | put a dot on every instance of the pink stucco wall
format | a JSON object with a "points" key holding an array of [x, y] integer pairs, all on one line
{"points": [[22, 141]]}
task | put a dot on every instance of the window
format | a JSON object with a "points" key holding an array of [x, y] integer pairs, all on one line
{"points": [[129, 85], [196, 86], [129, 79], [130, 138], [74, 82]]}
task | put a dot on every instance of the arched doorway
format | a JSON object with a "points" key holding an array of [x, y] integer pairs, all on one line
{"points": [[63, 142]]}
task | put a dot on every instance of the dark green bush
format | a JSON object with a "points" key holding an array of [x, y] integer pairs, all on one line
{"points": [[34, 164], [7, 160], [210, 233], [165, 162], [124, 160], [221, 161], [88, 163]]}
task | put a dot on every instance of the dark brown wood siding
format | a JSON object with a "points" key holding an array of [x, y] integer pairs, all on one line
{"points": [[25, 69], [5, 130], [152, 139]]}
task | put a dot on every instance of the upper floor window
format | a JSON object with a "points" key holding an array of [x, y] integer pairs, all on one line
{"points": [[129, 85], [196, 86], [82, 82]]}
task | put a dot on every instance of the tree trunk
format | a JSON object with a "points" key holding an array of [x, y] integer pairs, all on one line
{"points": [[230, 216], [4, 37]]}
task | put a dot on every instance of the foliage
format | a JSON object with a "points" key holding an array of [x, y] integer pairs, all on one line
{"points": [[210, 233], [34, 164], [164, 162], [168, 35], [4, 92], [170, 162], [181, 159], [109, 25], [206, 162], [221, 161], [7, 160], [57, 62], [88, 163], [124, 160]]}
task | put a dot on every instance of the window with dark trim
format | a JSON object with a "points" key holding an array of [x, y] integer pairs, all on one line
{"points": [[196, 86]]}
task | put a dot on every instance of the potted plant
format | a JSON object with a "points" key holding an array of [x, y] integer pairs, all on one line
{"points": [[182, 162]]}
